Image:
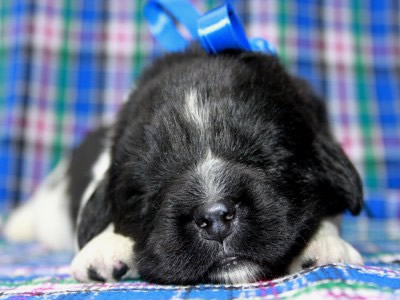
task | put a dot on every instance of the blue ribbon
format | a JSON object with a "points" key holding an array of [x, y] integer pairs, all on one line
{"points": [[218, 30]]}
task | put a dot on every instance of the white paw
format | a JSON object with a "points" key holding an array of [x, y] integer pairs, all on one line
{"points": [[325, 248], [107, 257]]}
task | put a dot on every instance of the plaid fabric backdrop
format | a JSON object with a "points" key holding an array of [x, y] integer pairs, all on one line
{"points": [[65, 67]]}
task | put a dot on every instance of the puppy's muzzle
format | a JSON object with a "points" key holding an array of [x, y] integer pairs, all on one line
{"points": [[215, 220]]}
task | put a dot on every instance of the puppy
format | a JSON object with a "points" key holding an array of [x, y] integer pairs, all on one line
{"points": [[219, 169]]}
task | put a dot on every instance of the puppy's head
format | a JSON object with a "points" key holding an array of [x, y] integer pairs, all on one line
{"points": [[223, 168], [221, 221]]}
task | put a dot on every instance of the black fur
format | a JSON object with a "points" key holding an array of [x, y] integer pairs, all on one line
{"points": [[282, 167], [80, 167], [96, 215]]}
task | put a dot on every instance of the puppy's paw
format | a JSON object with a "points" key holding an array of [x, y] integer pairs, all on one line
{"points": [[325, 248], [107, 257]]}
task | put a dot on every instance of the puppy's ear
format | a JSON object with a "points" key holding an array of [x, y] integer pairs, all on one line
{"points": [[339, 182], [96, 215]]}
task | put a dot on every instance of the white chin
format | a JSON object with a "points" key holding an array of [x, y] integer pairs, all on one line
{"points": [[241, 272]]}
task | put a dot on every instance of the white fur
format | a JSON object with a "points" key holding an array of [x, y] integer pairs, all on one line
{"points": [[44, 217], [241, 273], [210, 172], [327, 247], [103, 253], [210, 168], [196, 111]]}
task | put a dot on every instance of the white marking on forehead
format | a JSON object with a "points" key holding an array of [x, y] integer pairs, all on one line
{"points": [[195, 110], [210, 171]]}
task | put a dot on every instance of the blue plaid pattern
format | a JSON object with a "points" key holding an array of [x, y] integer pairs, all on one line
{"points": [[66, 66]]}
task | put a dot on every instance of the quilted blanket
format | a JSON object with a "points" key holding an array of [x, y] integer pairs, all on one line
{"points": [[30, 271]]}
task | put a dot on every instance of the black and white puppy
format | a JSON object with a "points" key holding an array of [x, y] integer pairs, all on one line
{"points": [[218, 169]]}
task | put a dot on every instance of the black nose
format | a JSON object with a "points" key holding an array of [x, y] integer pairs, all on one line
{"points": [[215, 219]]}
